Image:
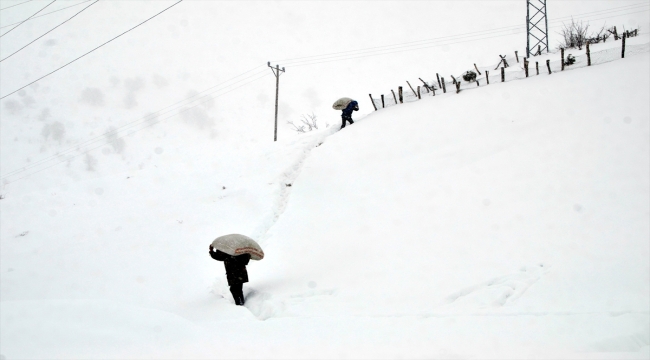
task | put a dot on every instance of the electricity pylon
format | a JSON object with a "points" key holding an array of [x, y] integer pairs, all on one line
{"points": [[539, 33]]}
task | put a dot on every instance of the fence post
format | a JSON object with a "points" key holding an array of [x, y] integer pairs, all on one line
{"points": [[562, 54], [383, 104], [419, 92], [457, 87], [425, 84], [439, 84], [588, 56], [401, 94], [487, 77], [394, 97], [517, 56], [503, 74], [548, 65], [477, 70], [537, 66], [455, 81], [623, 51], [414, 93], [444, 88], [526, 66], [373, 102]]}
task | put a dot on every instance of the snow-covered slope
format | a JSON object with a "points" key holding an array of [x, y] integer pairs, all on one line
{"points": [[507, 221]]}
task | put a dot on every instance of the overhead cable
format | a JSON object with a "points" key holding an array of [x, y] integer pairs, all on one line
{"points": [[52, 72], [10, 30], [24, 2], [419, 44], [442, 41], [48, 31], [51, 12]]}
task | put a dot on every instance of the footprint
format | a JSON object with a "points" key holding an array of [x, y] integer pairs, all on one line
{"points": [[263, 306], [500, 291]]}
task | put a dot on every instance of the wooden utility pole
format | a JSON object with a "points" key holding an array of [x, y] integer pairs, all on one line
{"points": [[276, 71]]}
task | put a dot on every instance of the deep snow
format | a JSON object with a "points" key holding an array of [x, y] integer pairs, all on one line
{"points": [[509, 221]]}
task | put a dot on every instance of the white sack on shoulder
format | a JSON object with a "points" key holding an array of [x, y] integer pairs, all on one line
{"points": [[341, 103], [237, 244]]}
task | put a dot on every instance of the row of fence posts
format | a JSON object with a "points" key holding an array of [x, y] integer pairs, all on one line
{"points": [[441, 80]]}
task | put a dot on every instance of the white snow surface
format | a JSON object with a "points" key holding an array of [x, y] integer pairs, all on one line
{"points": [[507, 221]]}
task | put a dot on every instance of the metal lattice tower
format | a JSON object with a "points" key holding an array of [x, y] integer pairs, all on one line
{"points": [[539, 32]]}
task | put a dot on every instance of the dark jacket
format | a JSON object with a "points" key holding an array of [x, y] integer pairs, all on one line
{"points": [[235, 266], [352, 106]]}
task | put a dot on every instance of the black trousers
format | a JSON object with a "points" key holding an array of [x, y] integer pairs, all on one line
{"points": [[344, 119], [237, 293]]}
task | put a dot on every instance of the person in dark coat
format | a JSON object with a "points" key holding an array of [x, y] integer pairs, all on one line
{"points": [[347, 113], [235, 272]]}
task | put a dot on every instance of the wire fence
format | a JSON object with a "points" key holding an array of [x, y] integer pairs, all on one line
{"points": [[515, 71]]}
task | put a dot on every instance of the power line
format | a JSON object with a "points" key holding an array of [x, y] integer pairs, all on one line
{"points": [[24, 2], [442, 41], [474, 32], [10, 30], [449, 37], [420, 46], [119, 137], [52, 72], [142, 120], [51, 12], [49, 31]]}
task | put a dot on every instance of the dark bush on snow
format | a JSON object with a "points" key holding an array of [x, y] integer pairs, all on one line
{"points": [[469, 76], [570, 60]]}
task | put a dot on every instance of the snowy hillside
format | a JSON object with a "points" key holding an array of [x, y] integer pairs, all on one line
{"points": [[510, 220]]}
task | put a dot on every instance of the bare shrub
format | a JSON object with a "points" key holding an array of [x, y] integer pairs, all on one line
{"points": [[307, 123], [576, 35]]}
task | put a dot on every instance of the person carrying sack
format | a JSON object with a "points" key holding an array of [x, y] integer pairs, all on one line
{"points": [[235, 272], [348, 106], [236, 250]]}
